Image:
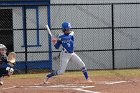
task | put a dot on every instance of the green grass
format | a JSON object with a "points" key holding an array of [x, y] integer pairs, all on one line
{"points": [[127, 72]]}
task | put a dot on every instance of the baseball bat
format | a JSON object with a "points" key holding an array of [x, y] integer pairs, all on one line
{"points": [[49, 31]]}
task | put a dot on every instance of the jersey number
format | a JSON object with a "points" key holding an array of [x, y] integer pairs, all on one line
{"points": [[68, 44]]}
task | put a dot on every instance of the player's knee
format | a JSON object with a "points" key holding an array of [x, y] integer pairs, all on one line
{"points": [[61, 71], [82, 64]]}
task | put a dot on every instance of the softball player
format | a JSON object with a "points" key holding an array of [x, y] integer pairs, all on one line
{"points": [[66, 39], [6, 67]]}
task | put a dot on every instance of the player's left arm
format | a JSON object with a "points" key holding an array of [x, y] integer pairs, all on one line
{"points": [[57, 41], [57, 44]]}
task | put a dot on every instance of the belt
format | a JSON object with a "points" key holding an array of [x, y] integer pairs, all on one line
{"points": [[66, 51]]}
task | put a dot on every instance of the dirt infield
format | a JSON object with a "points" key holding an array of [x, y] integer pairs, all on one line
{"points": [[60, 84]]}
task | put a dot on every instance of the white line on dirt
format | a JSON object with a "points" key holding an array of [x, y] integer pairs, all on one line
{"points": [[87, 91], [30, 86], [58, 86], [67, 86], [115, 82], [73, 86], [8, 88]]}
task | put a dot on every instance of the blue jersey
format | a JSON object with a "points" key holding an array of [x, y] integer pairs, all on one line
{"points": [[67, 42]]}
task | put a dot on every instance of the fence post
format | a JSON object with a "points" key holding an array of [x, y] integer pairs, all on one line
{"points": [[25, 38], [113, 52], [49, 37]]}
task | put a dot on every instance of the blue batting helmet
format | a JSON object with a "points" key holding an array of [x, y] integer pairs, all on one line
{"points": [[66, 25]]}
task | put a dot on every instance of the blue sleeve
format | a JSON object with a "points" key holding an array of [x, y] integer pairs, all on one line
{"points": [[57, 45]]}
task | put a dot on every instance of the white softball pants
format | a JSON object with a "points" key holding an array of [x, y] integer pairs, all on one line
{"points": [[68, 57]]}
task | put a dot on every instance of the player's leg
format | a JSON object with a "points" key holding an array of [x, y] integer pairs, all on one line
{"points": [[78, 60], [64, 59], [1, 80], [64, 62], [3, 72]]}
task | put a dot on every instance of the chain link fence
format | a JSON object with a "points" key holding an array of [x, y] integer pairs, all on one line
{"points": [[106, 35]]}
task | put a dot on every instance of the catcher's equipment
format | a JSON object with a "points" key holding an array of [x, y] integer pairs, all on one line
{"points": [[3, 57], [11, 57], [3, 46], [10, 71]]}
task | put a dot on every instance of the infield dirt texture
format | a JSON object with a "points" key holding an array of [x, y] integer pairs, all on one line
{"points": [[108, 81]]}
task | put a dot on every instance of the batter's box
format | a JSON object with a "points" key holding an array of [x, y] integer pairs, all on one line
{"points": [[51, 85]]}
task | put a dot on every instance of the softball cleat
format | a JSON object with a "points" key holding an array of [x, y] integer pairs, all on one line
{"points": [[1, 83], [89, 80], [46, 80]]}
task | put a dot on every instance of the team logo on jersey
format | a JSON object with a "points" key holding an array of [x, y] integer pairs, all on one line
{"points": [[66, 41]]}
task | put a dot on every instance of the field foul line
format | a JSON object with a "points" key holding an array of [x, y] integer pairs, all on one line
{"points": [[8, 88], [115, 82], [87, 91], [56, 86]]}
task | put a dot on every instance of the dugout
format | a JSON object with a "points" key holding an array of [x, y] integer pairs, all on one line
{"points": [[23, 31]]}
